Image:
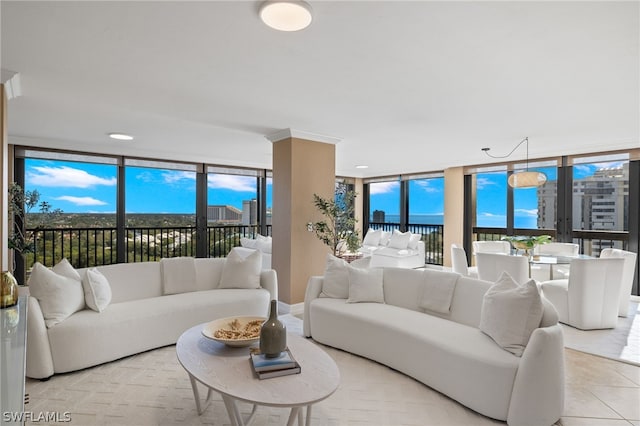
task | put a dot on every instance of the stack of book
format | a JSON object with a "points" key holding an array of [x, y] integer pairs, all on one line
{"points": [[265, 367]]}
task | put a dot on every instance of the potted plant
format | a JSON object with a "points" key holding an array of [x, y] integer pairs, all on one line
{"points": [[338, 229], [527, 243]]}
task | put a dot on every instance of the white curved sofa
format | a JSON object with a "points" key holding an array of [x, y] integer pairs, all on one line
{"points": [[447, 352], [141, 315]]}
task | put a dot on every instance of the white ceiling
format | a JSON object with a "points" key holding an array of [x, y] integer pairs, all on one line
{"points": [[407, 86]]}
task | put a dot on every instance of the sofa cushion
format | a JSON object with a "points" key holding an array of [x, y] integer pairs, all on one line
{"points": [[59, 295], [385, 236], [65, 269], [97, 291], [365, 285], [414, 239], [336, 278], [178, 275], [439, 287], [510, 313], [248, 242], [241, 272], [263, 243]]}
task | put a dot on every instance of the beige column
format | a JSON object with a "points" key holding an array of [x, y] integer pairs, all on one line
{"points": [[303, 165], [453, 210], [4, 179], [359, 206]]}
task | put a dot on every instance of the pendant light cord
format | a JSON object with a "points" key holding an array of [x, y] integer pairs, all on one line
{"points": [[486, 151]]}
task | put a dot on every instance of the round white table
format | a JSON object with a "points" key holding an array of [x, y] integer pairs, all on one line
{"points": [[228, 371]]}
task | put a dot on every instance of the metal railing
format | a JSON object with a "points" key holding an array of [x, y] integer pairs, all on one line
{"points": [[590, 242], [88, 247], [432, 236]]}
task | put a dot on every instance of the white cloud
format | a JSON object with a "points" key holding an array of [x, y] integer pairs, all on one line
{"points": [[483, 182], [81, 201], [177, 177], [586, 169], [425, 185], [487, 214], [383, 187], [526, 212], [232, 182], [65, 177]]}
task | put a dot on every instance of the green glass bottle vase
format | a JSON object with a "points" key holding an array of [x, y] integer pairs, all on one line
{"points": [[273, 334]]}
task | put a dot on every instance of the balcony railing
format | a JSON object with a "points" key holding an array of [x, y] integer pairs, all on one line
{"points": [[88, 247], [432, 236], [591, 242]]}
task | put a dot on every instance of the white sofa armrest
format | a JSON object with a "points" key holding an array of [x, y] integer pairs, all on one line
{"points": [[539, 383], [39, 358], [314, 287], [269, 281]]}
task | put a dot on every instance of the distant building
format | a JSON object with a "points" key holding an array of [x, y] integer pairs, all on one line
{"points": [[250, 212], [599, 203], [378, 216], [225, 213]]}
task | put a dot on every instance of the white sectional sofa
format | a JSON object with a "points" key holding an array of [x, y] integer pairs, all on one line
{"points": [[393, 249], [151, 305], [444, 349]]}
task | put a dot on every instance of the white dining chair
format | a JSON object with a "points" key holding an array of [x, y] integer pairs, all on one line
{"points": [[628, 272], [589, 299], [503, 247], [492, 265], [459, 262], [546, 272]]}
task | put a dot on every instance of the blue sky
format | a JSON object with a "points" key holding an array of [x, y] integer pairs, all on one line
{"points": [[91, 188]]}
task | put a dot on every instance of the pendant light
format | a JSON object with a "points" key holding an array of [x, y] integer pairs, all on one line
{"points": [[524, 179]]}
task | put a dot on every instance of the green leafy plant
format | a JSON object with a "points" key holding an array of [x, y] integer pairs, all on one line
{"points": [[21, 203], [338, 229], [527, 242]]}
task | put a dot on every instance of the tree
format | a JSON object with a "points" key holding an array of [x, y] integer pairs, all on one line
{"points": [[21, 202], [338, 229]]}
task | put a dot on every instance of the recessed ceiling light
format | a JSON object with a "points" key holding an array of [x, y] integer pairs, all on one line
{"points": [[120, 136], [362, 166], [286, 15]]}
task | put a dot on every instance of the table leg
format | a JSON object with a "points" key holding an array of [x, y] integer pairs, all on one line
{"points": [[293, 415], [232, 410], [308, 422], [196, 394]]}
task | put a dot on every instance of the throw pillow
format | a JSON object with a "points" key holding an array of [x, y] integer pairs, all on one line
{"points": [[399, 240], [385, 236], [414, 239], [59, 295], [263, 244], [365, 285], [239, 272], [248, 242], [510, 313], [65, 269], [372, 237], [97, 291], [336, 278]]}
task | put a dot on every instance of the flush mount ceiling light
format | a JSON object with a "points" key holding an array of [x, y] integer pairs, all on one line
{"points": [[121, 136], [362, 166], [524, 179], [286, 15]]}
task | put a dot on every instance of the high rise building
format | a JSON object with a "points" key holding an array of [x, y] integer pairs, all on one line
{"points": [[223, 213], [250, 212], [378, 216]]}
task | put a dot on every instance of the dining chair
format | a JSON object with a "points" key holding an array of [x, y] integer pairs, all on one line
{"points": [[589, 299], [459, 262], [553, 271], [492, 265], [628, 273], [503, 247]]}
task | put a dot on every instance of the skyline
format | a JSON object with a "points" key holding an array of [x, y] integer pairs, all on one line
{"points": [[77, 187]]}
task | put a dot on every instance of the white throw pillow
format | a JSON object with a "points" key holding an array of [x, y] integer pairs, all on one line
{"points": [[263, 244], [336, 278], [372, 237], [65, 269], [385, 236], [399, 240], [510, 313], [97, 290], [414, 239], [239, 272], [248, 242], [365, 285], [59, 295]]}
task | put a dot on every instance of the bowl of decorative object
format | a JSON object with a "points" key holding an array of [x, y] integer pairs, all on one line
{"points": [[235, 331], [527, 243]]}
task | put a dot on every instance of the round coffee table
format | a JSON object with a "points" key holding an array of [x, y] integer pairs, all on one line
{"points": [[228, 371]]}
